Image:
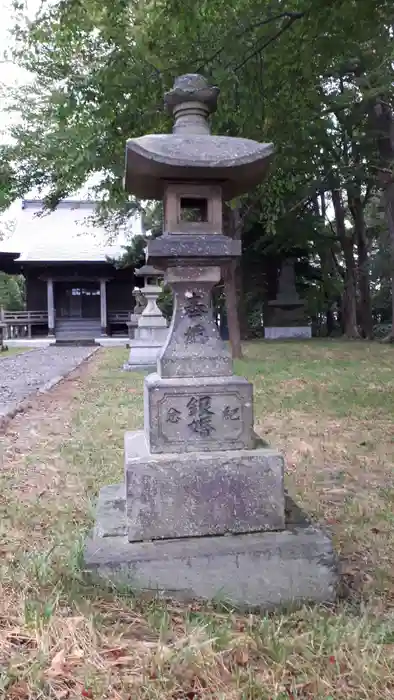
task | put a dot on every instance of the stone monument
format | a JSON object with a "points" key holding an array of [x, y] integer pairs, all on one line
{"points": [[151, 331], [203, 512], [285, 316]]}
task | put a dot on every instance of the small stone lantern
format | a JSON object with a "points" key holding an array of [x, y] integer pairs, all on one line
{"points": [[203, 511], [151, 331]]}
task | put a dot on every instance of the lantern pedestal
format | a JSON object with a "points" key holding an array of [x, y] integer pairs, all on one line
{"points": [[256, 570]]}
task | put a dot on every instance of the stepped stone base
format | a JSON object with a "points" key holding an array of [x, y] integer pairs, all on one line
{"points": [[145, 348], [259, 570], [143, 357], [281, 332], [201, 493]]}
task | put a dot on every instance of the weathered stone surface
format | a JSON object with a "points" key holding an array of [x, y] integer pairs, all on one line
{"points": [[282, 332], [197, 247], [143, 356], [156, 335], [194, 347], [111, 511], [201, 493], [287, 310], [185, 415], [150, 334], [198, 479], [239, 163], [140, 302], [285, 318], [262, 570], [287, 292], [150, 274]]}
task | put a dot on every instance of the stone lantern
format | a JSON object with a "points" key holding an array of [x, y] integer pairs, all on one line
{"points": [[151, 331], [203, 511]]}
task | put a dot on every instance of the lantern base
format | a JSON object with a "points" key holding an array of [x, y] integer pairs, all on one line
{"points": [[283, 332], [260, 570], [144, 351]]}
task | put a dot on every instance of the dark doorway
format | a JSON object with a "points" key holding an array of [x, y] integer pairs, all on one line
{"points": [[74, 301]]}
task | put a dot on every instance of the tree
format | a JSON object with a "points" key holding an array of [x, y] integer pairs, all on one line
{"points": [[287, 75], [11, 292]]}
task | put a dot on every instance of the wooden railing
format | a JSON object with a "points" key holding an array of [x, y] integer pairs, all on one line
{"points": [[118, 316], [19, 323]]}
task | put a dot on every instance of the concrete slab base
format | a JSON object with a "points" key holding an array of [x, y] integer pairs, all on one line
{"points": [[259, 570], [281, 332], [30, 342], [113, 341], [142, 357]]}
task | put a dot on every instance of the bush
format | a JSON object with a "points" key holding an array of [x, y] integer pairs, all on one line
{"points": [[382, 330]]}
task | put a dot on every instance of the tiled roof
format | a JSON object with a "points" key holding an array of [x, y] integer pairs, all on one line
{"points": [[64, 235]]}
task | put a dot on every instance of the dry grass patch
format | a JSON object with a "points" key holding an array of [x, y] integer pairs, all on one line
{"points": [[63, 635]]}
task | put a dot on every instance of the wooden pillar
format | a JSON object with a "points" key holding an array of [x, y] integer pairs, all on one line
{"points": [[51, 307], [103, 307], [3, 326]]}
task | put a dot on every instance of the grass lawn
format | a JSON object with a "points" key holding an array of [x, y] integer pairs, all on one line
{"points": [[13, 351], [329, 406]]}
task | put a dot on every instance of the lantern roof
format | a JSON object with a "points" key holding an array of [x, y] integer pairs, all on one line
{"points": [[148, 271], [191, 153]]}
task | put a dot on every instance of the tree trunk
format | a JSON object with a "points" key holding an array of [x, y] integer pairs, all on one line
{"points": [[366, 321], [330, 322], [233, 223], [381, 120], [228, 273], [349, 303], [389, 210]]}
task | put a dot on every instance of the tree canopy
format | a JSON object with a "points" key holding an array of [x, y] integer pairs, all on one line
{"points": [[314, 77]]}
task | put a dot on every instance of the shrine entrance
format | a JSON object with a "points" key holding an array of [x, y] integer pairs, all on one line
{"points": [[77, 310], [72, 301]]}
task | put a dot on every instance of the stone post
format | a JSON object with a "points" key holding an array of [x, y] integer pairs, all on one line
{"points": [[51, 307]]}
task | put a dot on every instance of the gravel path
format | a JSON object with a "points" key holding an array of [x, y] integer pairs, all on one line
{"points": [[24, 374]]}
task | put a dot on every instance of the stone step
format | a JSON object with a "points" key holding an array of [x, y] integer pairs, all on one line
{"points": [[82, 342]]}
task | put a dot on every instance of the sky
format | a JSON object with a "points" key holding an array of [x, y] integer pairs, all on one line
{"points": [[14, 223], [11, 75]]}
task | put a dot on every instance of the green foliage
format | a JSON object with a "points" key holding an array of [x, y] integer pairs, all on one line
{"points": [[12, 292], [303, 76], [165, 302]]}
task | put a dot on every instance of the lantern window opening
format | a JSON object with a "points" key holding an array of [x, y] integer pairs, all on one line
{"points": [[193, 209]]}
